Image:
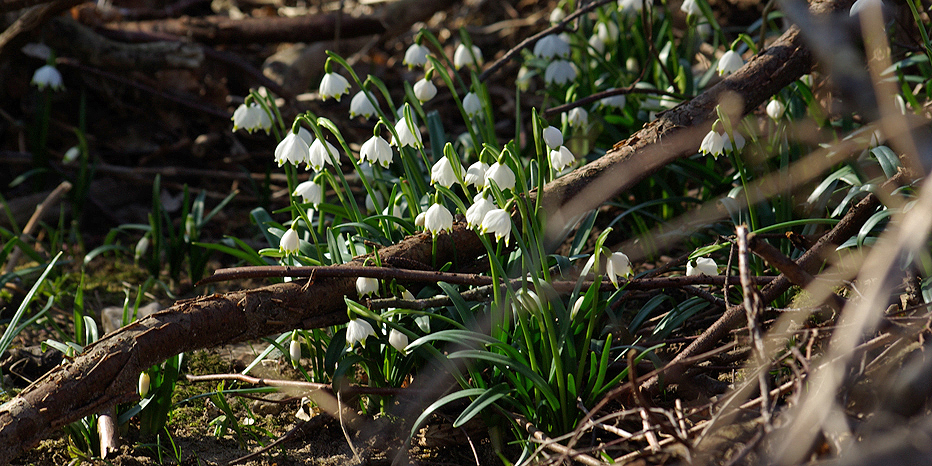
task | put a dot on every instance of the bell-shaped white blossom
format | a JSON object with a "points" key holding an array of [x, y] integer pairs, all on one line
{"points": [[577, 306], [143, 386], [557, 15], [424, 90], [319, 154], [443, 173], [294, 351], [48, 76], [559, 72], [578, 117], [499, 222], [398, 340], [438, 219], [502, 175], [394, 210], [607, 31], [289, 242], [729, 62], [616, 266], [775, 109], [361, 105], [704, 266], [292, 149], [617, 101], [712, 144], [561, 158], [405, 136], [71, 154], [376, 151], [333, 85], [366, 285], [419, 220], [552, 46], [553, 137], [476, 212], [416, 55], [631, 6], [357, 330], [691, 8], [310, 192], [475, 174], [597, 45], [462, 56], [251, 117], [471, 104]]}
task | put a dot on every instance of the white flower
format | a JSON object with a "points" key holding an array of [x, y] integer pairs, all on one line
{"points": [[361, 105], [576, 307], [475, 174], [424, 90], [393, 210], [775, 109], [617, 101], [499, 222], [704, 266], [553, 137], [251, 117], [144, 381], [319, 154], [559, 72], [142, 246], [310, 192], [406, 137], [49, 76], [608, 32], [862, 5], [438, 219], [561, 158], [71, 154], [419, 220], [376, 151], [443, 173], [416, 55], [476, 212], [557, 15], [294, 351], [502, 175], [462, 57], [729, 62], [357, 330], [578, 117], [900, 104], [630, 6], [691, 8], [552, 46], [596, 43], [292, 149], [333, 85], [372, 204], [289, 242], [617, 265], [735, 145], [366, 285], [398, 340], [712, 144], [471, 104]]}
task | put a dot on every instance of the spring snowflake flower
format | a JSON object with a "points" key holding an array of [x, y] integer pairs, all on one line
{"points": [[292, 149], [730, 62], [443, 173], [419, 220], [616, 266], [552, 46], [502, 175], [775, 109], [577, 306], [251, 118], [289, 242], [319, 154], [376, 151], [71, 154], [476, 212], [704, 266], [712, 144], [691, 8], [631, 6], [475, 174], [736, 145], [596, 43], [438, 219], [416, 55], [553, 137], [405, 136], [49, 76], [608, 32], [294, 351], [617, 101], [578, 117], [471, 104], [557, 15], [143, 386], [310, 192], [398, 340], [559, 72], [561, 158], [361, 105], [333, 85], [366, 285], [357, 330], [424, 90], [499, 222], [462, 57]]}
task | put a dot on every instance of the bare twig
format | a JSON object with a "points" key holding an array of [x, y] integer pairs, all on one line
{"points": [[41, 210]]}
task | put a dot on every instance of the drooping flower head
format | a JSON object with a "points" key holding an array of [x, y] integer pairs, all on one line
{"points": [[416, 55], [405, 135], [310, 192], [443, 173], [712, 144], [289, 242], [553, 137], [559, 72], [552, 46], [366, 286], [475, 174], [704, 266], [499, 222], [775, 109], [293, 148], [502, 175], [578, 117], [729, 62], [424, 89], [561, 158], [477, 211], [376, 151], [471, 104], [361, 105], [319, 154], [48, 76], [333, 85], [357, 330], [438, 219], [463, 57]]}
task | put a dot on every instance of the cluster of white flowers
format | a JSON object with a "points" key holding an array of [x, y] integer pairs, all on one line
{"points": [[715, 143], [560, 156]]}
